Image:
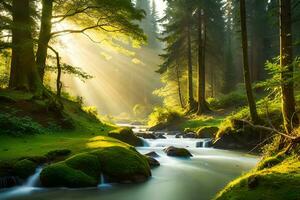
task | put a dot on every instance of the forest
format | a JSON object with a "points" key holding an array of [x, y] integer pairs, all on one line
{"points": [[150, 99]]}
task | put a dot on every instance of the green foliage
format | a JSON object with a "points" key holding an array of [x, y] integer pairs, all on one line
{"points": [[272, 84], [235, 98], [71, 70], [140, 111], [197, 122], [13, 125], [163, 115], [24, 168]]}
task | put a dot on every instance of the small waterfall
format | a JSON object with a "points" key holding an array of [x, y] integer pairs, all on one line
{"points": [[102, 183], [145, 142], [28, 187], [34, 179]]}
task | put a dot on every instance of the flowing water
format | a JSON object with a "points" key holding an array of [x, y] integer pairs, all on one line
{"points": [[197, 178]]}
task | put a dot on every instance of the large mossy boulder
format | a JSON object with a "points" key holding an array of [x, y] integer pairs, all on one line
{"points": [[61, 175], [207, 132], [117, 164], [81, 170], [123, 165], [177, 152], [126, 135], [24, 168]]}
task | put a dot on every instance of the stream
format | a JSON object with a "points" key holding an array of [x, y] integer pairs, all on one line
{"points": [[196, 178]]}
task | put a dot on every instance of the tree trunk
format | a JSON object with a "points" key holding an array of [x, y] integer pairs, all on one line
{"points": [[247, 79], [44, 36], [178, 85], [191, 100], [24, 74], [286, 59], [202, 107]]}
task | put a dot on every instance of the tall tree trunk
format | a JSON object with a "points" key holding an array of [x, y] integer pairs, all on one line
{"points": [[202, 107], [286, 59], [191, 100], [247, 79], [178, 85], [44, 36], [24, 74]]}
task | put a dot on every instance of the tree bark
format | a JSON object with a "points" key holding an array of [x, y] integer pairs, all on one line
{"points": [[247, 79], [23, 75], [202, 107], [191, 100], [44, 36], [287, 69], [178, 85]]}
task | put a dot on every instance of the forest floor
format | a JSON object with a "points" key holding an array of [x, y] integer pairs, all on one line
{"points": [[88, 132]]}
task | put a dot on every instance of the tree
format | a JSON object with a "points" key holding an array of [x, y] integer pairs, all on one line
{"points": [[247, 79], [202, 105], [24, 74], [287, 69], [98, 15]]}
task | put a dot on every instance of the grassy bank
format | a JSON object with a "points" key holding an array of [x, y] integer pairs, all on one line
{"points": [[86, 132], [281, 181]]}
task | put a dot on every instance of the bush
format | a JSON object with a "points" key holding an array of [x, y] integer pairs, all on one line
{"points": [[163, 115], [16, 126], [234, 99], [24, 168]]}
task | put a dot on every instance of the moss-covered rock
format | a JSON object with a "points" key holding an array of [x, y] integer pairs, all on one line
{"points": [[61, 175], [123, 165], [87, 163], [207, 132], [24, 168], [81, 170], [118, 164], [58, 154], [126, 135], [177, 152]]}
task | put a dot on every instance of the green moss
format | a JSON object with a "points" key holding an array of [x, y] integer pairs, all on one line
{"points": [[61, 175], [121, 164], [54, 154], [195, 123], [281, 181], [87, 163], [24, 168], [269, 162], [126, 135], [207, 132]]}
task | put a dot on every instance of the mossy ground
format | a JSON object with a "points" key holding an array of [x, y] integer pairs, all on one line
{"points": [[87, 134], [281, 181]]}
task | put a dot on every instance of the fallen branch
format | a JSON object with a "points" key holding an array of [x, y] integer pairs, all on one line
{"points": [[294, 139]]}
